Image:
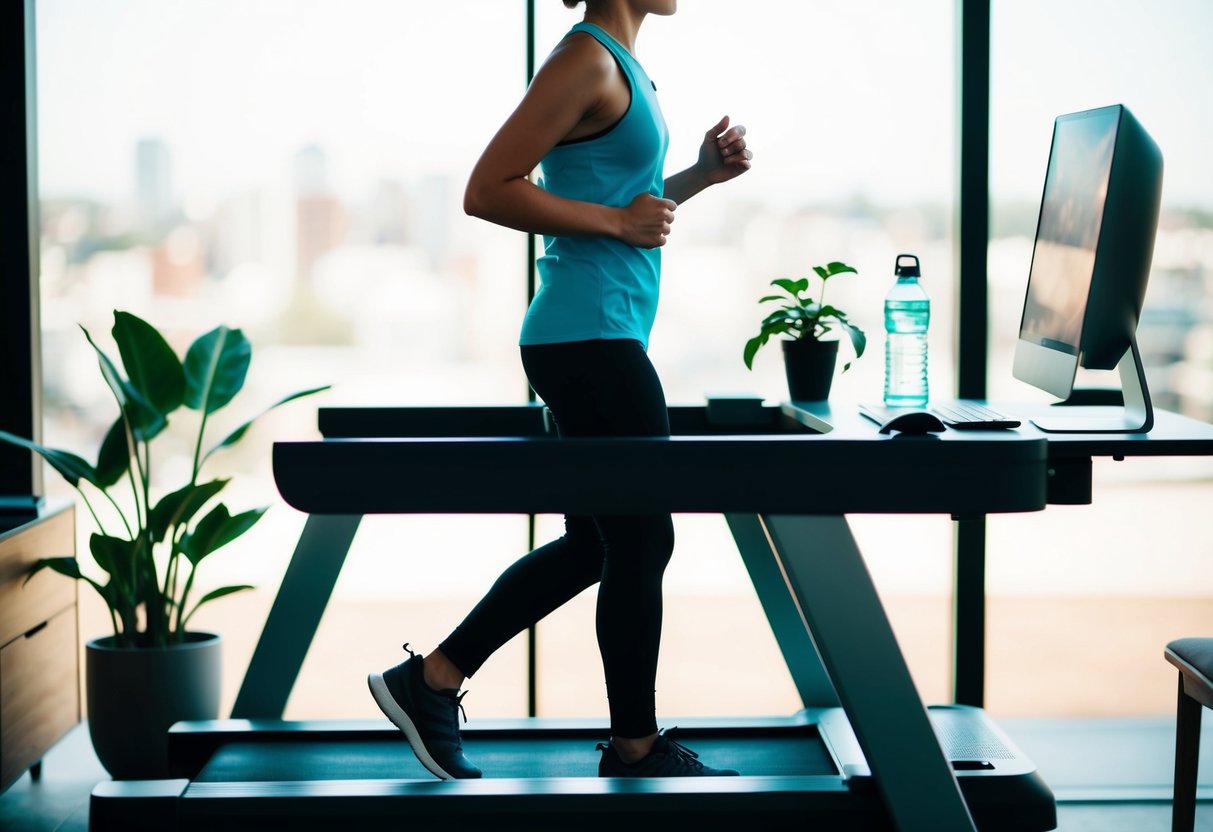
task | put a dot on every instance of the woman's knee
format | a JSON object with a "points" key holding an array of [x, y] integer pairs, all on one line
{"points": [[660, 545], [648, 541]]}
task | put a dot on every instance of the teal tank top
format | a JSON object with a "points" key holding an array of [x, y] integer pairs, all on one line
{"points": [[601, 287]]}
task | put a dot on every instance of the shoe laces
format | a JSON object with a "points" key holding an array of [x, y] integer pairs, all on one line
{"points": [[680, 753], [459, 704], [458, 700], [677, 749]]}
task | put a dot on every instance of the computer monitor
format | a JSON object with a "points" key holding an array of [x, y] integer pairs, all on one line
{"points": [[1090, 265]]}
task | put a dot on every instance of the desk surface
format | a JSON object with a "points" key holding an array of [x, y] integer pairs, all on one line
{"points": [[499, 460], [1172, 434]]}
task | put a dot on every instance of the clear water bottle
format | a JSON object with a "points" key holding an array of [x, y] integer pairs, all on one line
{"points": [[907, 312]]}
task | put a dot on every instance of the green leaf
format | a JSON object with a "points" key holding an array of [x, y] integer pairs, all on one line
{"points": [[779, 327], [115, 455], [153, 367], [771, 297], [821, 272], [116, 557], [211, 596], [751, 349], [180, 507], [787, 313], [71, 467], [215, 367], [70, 568], [217, 529], [792, 287], [146, 422], [238, 434], [858, 340], [64, 566], [835, 267]]}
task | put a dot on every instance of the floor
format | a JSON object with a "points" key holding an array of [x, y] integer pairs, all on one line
{"points": [[1109, 775]]}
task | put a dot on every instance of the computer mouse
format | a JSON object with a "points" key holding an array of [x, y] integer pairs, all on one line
{"points": [[914, 422]]}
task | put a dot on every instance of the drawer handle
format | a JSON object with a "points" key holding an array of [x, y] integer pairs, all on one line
{"points": [[35, 630]]}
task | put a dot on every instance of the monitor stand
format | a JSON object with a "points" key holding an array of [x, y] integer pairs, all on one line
{"points": [[1137, 415]]}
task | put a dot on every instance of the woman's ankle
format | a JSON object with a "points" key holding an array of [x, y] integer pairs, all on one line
{"points": [[440, 673], [631, 749]]}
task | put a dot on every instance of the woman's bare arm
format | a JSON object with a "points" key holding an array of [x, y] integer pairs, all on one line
{"points": [[722, 156], [571, 90]]}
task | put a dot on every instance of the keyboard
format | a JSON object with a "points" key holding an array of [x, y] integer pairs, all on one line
{"points": [[954, 414], [972, 416]]}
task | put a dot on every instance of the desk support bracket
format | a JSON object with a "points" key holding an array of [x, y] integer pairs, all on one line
{"points": [[830, 583], [969, 611]]}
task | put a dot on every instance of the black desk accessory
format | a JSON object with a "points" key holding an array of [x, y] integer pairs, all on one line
{"points": [[913, 423]]}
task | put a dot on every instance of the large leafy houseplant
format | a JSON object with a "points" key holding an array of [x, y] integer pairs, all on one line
{"points": [[150, 549], [800, 317]]}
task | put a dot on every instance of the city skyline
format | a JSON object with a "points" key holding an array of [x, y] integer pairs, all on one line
{"points": [[346, 76]]}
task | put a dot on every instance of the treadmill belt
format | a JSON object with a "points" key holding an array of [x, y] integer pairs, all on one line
{"points": [[531, 757]]}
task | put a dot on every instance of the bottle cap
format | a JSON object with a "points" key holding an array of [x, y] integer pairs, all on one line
{"points": [[906, 269]]}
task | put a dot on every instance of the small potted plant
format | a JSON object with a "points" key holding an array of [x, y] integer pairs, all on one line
{"points": [[811, 349], [153, 670]]}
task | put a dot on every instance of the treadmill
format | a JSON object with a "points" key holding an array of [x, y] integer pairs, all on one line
{"points": [[864, 753]]}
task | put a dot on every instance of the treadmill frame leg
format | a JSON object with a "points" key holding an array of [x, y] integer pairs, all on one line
{"points": [[783, 615], [826, 575], [304, 593]]}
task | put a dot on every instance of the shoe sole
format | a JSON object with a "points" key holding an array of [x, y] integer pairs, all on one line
{"points": [[392, 710]]}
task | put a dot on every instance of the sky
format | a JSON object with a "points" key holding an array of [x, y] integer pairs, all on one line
{"points": [[841, 97]]}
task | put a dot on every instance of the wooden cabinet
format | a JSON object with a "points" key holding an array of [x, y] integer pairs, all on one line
{"points": [[39, 643]]}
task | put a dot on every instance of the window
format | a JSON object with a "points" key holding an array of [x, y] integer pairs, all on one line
{"points": [[294, 169], [1114, 581]]}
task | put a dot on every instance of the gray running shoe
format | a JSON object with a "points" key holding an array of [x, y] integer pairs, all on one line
{"points": [[429, 718], [668, 758]]}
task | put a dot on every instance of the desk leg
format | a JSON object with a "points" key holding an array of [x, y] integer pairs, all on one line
{"points": [[291, 625], [969, 612], [830, 582], [810, 677]]}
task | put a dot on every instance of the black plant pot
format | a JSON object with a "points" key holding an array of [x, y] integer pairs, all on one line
{"points": [[136, 694], [809, 366]]}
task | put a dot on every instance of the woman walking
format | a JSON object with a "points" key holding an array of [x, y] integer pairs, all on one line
{"points": [[591, 122]]}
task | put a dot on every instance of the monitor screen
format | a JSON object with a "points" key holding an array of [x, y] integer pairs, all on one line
{"points": [[1091, 261], [1067, 236]]}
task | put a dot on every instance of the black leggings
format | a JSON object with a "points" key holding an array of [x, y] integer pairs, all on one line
{"points": [[593, 388]]}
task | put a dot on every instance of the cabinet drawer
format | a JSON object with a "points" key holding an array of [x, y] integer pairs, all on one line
{"points": [[24, 606], [39, 694]]}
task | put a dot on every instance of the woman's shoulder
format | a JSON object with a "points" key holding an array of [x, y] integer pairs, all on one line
{"points": [[581, 52]]}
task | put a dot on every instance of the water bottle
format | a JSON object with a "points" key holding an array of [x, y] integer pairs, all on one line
{"points": [[907, 312]]}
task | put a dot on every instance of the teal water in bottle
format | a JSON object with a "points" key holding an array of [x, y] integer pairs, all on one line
{"points": [[907, 313]]}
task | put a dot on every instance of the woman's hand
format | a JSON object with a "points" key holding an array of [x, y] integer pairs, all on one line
{"points": [[646, 221], [723, 154]]}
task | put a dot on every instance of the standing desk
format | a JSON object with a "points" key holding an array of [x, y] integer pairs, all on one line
{"points": [[889, 760]]}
